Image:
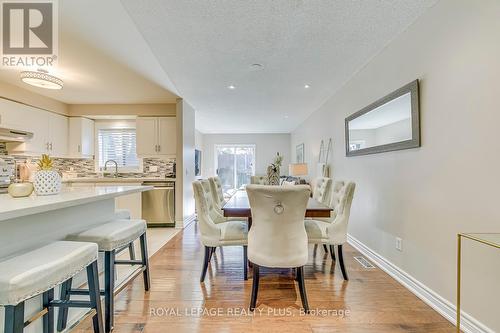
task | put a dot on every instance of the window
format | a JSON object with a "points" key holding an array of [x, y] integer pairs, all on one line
{"points": [[118, 145]]}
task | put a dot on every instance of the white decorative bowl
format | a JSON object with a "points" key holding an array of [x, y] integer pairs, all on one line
{"points": [[19, 190], [47, 182]]}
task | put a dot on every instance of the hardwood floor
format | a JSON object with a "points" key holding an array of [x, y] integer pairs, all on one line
{"points": [[370, 300]]}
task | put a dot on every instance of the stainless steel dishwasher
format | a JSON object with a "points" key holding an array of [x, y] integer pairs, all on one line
{"points": [[158, 205]]}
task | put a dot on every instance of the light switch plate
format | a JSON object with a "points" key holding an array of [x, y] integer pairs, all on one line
{"points": [[153, 168]]}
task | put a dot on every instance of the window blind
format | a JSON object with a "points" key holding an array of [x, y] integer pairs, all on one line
{"points": [[118, 145]]}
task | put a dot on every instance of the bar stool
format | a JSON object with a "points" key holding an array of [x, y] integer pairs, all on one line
{"points": [[121, 214], [37, 273], [110, 237]]}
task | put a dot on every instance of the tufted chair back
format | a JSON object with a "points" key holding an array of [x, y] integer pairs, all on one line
{"points": [[322, 189], [341, 200], [278, 237], [259, 180], [210, 233], [216, 188], [214, 212]]}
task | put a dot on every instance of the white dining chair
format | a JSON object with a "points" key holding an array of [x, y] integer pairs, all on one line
{"points": [[215, 213], [333, 231], [230, 233], [322, 188], [277, 238], [217, 194]]}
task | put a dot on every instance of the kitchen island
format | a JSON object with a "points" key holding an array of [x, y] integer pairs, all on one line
{"points": [[28, 223]]}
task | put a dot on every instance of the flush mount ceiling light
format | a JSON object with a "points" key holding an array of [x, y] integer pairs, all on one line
{"points": [[256, 67], [307, 86], [41, 79], [231, 87]]}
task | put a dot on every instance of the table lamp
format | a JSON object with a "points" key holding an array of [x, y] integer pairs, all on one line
{"points": [[297, 170]]}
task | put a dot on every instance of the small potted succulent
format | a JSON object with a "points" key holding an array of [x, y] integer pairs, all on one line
{"points": [[47, 181]]}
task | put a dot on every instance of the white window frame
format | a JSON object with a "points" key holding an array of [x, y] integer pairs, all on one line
{"points": [[114, 124]]}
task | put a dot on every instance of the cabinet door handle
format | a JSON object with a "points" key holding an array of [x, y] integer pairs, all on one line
{"points": [[159, 148], [47, 146], [79, 149], [51, 146]]}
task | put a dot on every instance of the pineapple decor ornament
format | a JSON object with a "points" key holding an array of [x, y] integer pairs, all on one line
{"points": [[47, 181], [273, 170]]}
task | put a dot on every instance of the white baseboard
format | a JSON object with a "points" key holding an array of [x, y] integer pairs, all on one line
{"points": [[445, 308]]}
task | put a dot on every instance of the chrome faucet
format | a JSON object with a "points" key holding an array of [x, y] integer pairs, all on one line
{"points": [[116, 167]]}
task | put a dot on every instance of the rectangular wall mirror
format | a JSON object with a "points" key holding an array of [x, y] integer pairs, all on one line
{"points": [[391, 123]]}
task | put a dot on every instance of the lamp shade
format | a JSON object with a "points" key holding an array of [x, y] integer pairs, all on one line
{"points": [[297, 169]]}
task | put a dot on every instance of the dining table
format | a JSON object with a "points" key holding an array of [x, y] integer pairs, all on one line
{"points": [[239, 206]]}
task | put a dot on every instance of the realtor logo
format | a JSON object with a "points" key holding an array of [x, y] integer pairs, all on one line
{"points": [[29, 33]]}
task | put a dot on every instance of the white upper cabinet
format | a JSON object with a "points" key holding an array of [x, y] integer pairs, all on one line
{"points": [[50, 130], [146, 136], [156, 136], [58, 135], [167, 136], [81, 137]]}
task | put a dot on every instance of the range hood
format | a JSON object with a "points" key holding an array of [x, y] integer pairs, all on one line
{"points": [[13, 135]]}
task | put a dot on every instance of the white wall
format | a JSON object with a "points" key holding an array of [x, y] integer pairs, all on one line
{"points": [[184, 199], [267, 145], [450, 184]]}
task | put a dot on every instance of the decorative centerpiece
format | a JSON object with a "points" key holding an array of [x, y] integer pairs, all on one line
{"points": [[47, 181], [273, 170]]}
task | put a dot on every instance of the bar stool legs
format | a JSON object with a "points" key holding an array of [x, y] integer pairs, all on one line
{"points": [[145, 262], [62, 318], [14, 314], [109, 287]]}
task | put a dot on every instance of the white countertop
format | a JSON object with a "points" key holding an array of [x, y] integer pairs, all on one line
{"points": [[70, 196], [116, 179]]}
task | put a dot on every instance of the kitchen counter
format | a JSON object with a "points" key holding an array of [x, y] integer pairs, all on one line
{"points": [[116, 179], [35, 221], [70, 196]]}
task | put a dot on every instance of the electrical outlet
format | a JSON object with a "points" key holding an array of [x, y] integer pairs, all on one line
{"points": [[153, 168], [399, 244]]}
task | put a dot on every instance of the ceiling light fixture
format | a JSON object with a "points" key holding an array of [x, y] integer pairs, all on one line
{"points": [[307, 86], [231, 87], [41, 79]]}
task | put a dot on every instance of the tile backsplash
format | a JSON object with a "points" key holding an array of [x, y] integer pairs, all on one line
{"points": [[86, 167]]}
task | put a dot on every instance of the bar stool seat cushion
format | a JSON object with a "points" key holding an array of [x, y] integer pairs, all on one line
{"points": [[112, 235], [34, 272]]}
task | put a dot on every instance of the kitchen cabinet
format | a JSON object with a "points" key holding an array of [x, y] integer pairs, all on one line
{"points": [[156, 136], [50, 130], [81, 137]]}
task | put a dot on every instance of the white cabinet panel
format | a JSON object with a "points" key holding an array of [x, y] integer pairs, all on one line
{"points": [[58, 135], [156, 136], [81, 137], [167, 135], [146, 136]]}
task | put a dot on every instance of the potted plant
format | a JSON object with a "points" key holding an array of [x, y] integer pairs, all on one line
{"points": [[47, 181], [273, 170]]}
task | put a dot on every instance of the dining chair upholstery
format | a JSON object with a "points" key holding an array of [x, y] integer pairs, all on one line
{"points": [[259, 180], [277, 238], [217, 194], [214, 212], [322, 189], [333, 231], [213, 235]]}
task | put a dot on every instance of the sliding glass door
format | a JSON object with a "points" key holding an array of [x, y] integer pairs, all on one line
{"points": [[234, 164]]}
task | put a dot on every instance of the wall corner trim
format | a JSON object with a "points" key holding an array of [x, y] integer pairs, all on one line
{"points": [[445, 308]]}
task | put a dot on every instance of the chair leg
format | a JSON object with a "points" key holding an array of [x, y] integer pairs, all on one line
{"points": [[14, 318], [62, 317], [332, 252], [255, 286], [145, 262], [95, 296], [245, 263], [131, 251], [302, 288], [109, 287], [206, 260], [325, 248], [341, 262], [48, 318]]}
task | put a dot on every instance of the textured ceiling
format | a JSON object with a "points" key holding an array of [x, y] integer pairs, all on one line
{"points": [[205, 46]]}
